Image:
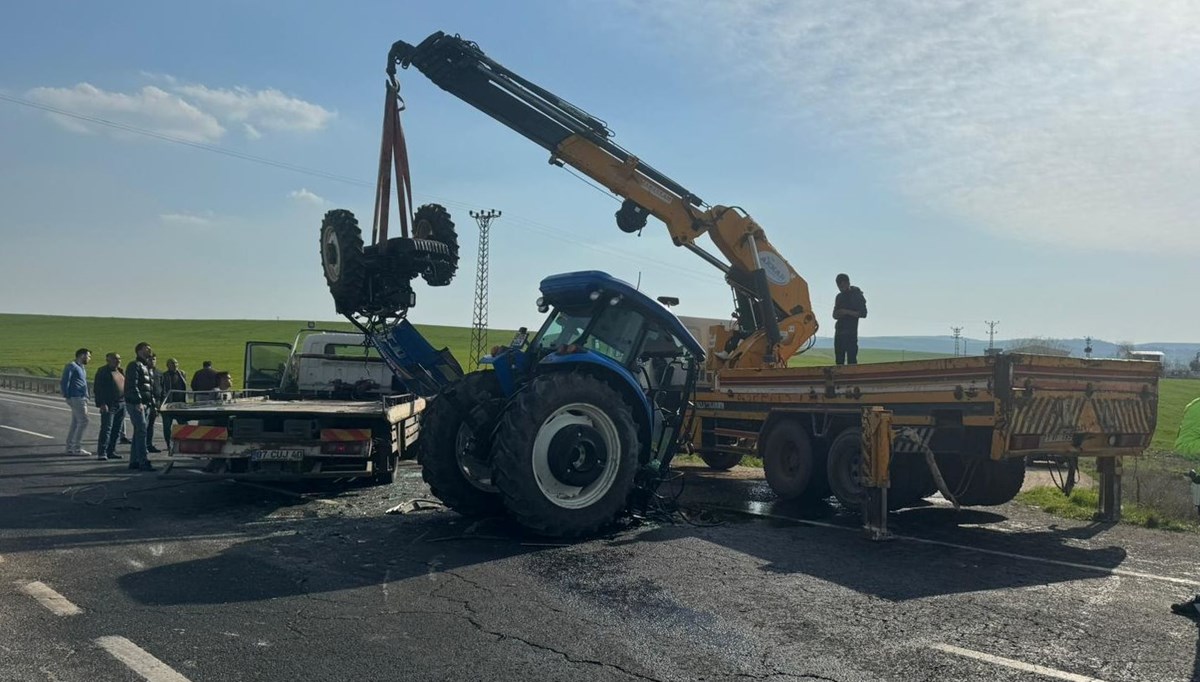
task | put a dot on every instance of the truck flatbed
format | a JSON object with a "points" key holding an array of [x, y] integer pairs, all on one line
{"points": [[393, 410]]}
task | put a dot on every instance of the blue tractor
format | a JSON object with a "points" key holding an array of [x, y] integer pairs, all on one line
{"points": [[572, 427]]}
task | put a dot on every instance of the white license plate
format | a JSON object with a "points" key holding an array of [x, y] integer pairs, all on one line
{"points": [[1059, 437], [276, 455]]}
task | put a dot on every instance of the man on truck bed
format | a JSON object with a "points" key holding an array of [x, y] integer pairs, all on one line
{"points": [[849, 306]]}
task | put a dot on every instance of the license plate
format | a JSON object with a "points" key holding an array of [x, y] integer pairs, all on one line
{"points": [[276, 455], [1064, 436]]}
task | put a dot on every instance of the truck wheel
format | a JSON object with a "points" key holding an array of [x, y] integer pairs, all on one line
{"points": [[845, 468], [454, 457], [788, 461], [721, 461], [910, 480], [432, 222], [342, 259], [566, 454], [977, 480]]}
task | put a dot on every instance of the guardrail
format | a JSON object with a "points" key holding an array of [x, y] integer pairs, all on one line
{"points": [[30, 383]]}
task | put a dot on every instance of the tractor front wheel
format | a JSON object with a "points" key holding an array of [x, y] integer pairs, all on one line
{"points": [[343, 260], [566, 454]]}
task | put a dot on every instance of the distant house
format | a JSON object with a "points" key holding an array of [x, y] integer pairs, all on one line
{"points": [[1039, 349]]}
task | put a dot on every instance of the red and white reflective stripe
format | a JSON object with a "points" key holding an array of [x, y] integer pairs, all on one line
{"points": [[345, 435], [188, 432]]}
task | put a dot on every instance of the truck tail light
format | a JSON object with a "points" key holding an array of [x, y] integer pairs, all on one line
{"points": [[198, 440], [199, 447], [333, 448], [1128, 440], [344, 441]]}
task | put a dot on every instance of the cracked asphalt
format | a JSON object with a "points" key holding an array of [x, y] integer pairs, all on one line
{"points": [[223, 581]]}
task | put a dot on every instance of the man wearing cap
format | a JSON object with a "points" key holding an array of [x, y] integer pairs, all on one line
{"points": [[110, 393]]}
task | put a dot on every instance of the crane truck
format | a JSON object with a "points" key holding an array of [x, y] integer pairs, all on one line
{"points": [[886, 434]]}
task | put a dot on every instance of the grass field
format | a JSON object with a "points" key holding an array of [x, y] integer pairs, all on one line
{"points": [[42, 344]]}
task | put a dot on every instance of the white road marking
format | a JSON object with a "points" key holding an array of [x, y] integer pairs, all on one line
{"points": [[139, 660], [1191, 582], [32, 433], [1014, 664], [53, 601], [35, 404]]}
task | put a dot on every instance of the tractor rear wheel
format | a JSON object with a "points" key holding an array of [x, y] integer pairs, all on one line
{"points": [[566, 454], [454, 445], [343, 260], [432, 223]]}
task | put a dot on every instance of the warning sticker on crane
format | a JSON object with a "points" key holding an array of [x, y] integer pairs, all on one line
{"points": [[662, 194], [776, 268]]}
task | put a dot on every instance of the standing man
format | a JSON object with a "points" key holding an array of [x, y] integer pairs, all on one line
{"points": [[205, 379], [848, 308], [110, 400], [139, 397], [156, 389], [74, 390], [174, 385]]}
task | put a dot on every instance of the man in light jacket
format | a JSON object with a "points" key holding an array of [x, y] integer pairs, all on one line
{"points": [[74, 389]]}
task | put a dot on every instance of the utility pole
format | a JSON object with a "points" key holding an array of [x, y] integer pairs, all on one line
{"points": [[957, 335], [479, 318], [992, 333]]}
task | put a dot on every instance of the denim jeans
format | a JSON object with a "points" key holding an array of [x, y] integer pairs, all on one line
{"points": [[79, 424], [110, 429], [137, 451], [845, 349]]}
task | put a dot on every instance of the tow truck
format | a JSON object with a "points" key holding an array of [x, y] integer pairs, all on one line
{"points": [[962, 425]]}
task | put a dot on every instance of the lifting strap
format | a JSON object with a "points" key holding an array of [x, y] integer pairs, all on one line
{"points": [[392, 152]]}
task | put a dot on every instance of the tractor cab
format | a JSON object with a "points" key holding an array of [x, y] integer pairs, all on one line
{"points": [[602, 321], [573, 426]]}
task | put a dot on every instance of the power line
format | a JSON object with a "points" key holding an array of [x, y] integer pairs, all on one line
{"points": [[957, 336]]}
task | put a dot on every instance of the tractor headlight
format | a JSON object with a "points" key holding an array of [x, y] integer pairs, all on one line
{"points": [[595, 295]]}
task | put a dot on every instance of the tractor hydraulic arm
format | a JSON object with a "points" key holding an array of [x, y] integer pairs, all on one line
{"points": [[774, 311]]}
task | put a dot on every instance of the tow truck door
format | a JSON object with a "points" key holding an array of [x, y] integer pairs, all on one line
{"points": [[266, 362]]}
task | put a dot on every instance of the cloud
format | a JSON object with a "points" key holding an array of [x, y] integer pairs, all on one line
{"points": [[196, 113], [151, 108], [1068, 122], [307, 197], [259, 110], [187, 219]]}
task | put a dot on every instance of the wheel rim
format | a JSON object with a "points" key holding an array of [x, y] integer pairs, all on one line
{"points": [[332, 252], [576, 455], [477, 472], [849, 464]]}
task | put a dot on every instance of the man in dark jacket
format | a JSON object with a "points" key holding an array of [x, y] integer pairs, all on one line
{"points": [[205, 378], [156, 388], [848, 308], [110, 400], [174, 386], [139, 397]]}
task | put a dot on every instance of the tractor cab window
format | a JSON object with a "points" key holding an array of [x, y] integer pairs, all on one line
{"points": [[612, 331]]}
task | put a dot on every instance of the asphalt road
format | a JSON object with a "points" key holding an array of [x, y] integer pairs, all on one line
{"points": [[107, 574]]}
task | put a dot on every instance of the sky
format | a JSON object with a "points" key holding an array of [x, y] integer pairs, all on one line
{"points": [[1035, 163]]}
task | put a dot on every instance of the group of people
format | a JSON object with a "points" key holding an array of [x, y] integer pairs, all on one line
{"points": [[136, 392]]}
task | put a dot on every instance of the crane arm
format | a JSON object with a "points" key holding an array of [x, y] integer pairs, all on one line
{"points": [[775, 317]]}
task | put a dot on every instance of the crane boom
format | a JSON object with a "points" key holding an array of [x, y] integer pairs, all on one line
{"points": [[774, 310]]}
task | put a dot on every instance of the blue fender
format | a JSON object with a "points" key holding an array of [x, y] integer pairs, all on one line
{"points": [[562, 361]]}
